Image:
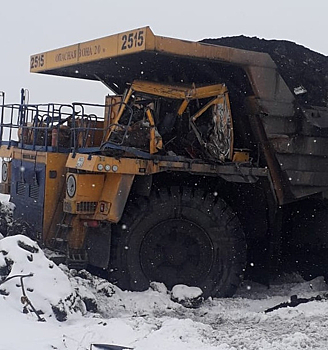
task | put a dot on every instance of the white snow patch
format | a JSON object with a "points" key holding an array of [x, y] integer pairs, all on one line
{"points": [[300, 90], [99, 312], [182, 292], [45, 283]]}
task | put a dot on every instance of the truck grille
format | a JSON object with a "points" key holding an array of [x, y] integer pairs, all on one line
{"points": [[86, 207]]}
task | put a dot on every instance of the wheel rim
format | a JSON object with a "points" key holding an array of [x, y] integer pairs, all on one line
{"points": [[176, 251]]}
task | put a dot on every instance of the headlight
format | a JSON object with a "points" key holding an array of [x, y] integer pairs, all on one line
{"points": [[71, 186], [4, 172], [100, 167]]}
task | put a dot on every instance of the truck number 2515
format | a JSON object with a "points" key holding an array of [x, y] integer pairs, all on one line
{"points": [[37, 61], [134, 39]]}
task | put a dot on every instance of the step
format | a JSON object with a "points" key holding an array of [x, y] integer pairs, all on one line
{"points": [[67, 226], [77, 259], [60, 240]]}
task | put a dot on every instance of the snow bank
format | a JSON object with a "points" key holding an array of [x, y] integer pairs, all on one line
{"points": [[24, 269], [6, 209], [58, 292], [96, 311]]}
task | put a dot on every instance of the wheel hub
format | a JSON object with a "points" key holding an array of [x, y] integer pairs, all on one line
{"points": [[176, 251]]}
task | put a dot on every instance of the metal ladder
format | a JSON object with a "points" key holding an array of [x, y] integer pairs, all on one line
{"points": [[73, 258], [59, 243]]}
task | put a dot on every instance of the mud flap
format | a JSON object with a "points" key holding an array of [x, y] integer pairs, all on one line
{"points": [[97, 243]]}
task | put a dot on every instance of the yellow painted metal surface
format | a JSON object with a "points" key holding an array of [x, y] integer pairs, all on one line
{"points": [[122, 107], [178, 92], [4, 188], [54, 192], [77, 233], [104, 194], [93, 50], [135, 166], [6, 152], [138, 40], [123, 165], [212, 52], [54, 183], [113, 197], [112, 108], [155, 140], [240, 156], [88, 187], [6, 176], [30, 156]]}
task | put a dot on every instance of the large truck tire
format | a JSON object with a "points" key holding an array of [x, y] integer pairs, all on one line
{"points": [[306, 244], [178, 236]]}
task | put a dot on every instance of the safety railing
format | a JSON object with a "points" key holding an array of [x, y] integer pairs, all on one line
{"points": [[76, 127], [35, 126]]}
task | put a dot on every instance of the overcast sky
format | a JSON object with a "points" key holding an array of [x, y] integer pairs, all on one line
{"points": [[29, 27]]}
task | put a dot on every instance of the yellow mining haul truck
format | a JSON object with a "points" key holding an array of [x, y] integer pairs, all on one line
{"points": [[198, 162]]}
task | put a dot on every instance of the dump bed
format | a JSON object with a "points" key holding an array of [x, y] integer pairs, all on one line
{"points": [[293, 140], [139, 54]]}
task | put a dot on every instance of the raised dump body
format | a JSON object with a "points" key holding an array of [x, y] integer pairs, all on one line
{"points": [[202, 150], [265, 109]]}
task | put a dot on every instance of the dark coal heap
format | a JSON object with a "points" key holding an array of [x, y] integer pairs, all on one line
{"points": [[299, 66]]}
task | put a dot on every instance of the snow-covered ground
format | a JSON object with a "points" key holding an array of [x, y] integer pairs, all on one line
{"points": [[79, 310]]}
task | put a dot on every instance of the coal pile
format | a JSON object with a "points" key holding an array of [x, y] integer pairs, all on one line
{"points": [[304, 71]]}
